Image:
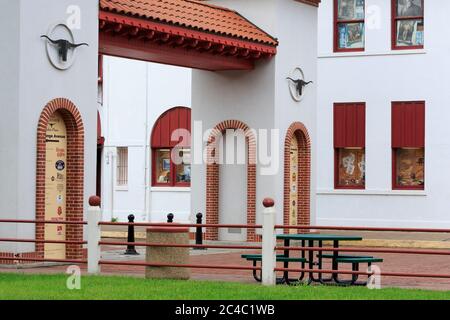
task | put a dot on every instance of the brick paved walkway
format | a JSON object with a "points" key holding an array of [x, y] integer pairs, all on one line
{"points": [[392, 263]]}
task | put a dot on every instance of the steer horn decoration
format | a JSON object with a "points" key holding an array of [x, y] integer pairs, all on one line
{"points": [[64, 46], [300, 84]]}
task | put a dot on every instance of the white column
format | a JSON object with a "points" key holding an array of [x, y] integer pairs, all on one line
{"points": [[94, 235], [269, 240]]}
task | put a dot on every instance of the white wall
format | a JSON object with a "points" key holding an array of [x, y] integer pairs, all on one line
{"points": [[9, 128], [296, 49], [136, 93], [377, 77], [31, 83]]}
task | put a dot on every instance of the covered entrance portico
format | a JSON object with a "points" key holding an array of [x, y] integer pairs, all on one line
{"points": [[195, 34]]}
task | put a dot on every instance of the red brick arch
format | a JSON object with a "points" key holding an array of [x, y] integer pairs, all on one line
{"points": [[75, 173], [298, 131], [212, 178]]}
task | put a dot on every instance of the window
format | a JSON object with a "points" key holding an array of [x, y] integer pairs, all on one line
{"points": [[407, 24], [122, 167], [349, 26], [171, 149], [408, 145], [350, 145]]}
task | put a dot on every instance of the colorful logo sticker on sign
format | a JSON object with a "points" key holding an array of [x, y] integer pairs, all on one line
{"points": [[60, 165]]}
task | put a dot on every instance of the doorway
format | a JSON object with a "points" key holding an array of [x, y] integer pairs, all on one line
{"points": [[233, 187]]}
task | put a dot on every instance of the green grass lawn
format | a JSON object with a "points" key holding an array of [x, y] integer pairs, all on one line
{"points": [[51, 287]]}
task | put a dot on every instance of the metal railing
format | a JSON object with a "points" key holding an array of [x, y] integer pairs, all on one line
{"points": [[269, 246]]}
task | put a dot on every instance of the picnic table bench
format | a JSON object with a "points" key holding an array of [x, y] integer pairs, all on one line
{"points": [[255, 258]]}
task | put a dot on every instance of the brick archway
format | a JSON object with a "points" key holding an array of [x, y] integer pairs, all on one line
{"points": [[212, 178], [75, 173], [298, 131]]}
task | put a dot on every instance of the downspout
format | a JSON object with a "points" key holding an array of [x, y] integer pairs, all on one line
{"points": [[109, 153], [147, 184]]}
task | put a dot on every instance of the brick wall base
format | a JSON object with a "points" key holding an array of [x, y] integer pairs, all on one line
{"points": [[18, 255]]}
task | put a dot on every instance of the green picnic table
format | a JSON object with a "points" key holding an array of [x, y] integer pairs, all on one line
{"points": [[310, 240]]}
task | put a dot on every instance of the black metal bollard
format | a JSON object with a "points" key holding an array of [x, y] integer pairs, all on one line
{"points": [[199, 232], [131, 249], [170, 217]]}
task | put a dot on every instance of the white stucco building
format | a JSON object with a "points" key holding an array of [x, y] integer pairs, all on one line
{"points": [[398, 74]]}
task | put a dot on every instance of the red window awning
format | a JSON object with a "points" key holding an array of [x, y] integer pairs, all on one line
{"points": [[349, 125], [408, 124], [167, 124]]}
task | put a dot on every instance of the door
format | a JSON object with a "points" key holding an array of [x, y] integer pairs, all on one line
{"points": [[293, 181], [233, 189], [55, 186]]}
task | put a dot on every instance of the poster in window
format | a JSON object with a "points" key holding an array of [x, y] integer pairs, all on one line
{"points": [[163, 166], [352, 168], [183, 166], [409, 8], [350, 9], [410, 33], [351, 35], [410, 167]]}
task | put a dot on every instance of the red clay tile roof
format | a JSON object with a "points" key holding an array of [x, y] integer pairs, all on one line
{"points": [[193, 15]]}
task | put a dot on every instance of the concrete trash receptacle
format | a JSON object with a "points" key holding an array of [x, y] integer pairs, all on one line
{"points": [[169, 255]]}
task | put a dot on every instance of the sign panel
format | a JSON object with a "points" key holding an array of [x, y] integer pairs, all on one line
{"points": [[55, 186], [293, 185]]}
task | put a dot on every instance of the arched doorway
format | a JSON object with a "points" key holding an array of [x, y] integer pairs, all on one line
{"points": [[60, 178], [297, 176], [213, 179]]}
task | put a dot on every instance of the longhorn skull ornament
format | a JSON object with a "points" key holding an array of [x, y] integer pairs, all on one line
{"points": [[300, 84], [63, 46]]}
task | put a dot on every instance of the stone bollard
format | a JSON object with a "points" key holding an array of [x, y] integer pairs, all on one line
{"points": [[167, 235]]}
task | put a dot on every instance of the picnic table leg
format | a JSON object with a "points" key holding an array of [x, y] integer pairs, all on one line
{"points": [[355, 267], [335, 264], [302, 275], [319, 263], [311, 261], [286, 264], [255, 272]]}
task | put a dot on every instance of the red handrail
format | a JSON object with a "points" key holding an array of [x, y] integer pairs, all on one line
{"points": [[76, 261], [206, 246], [42, 241], [44, 222], [305, 227], [398, 251], [193, 266], [383, 274], [177, 225]]}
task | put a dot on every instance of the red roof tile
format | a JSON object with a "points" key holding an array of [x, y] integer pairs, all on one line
{"points": [[193, 15]]}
